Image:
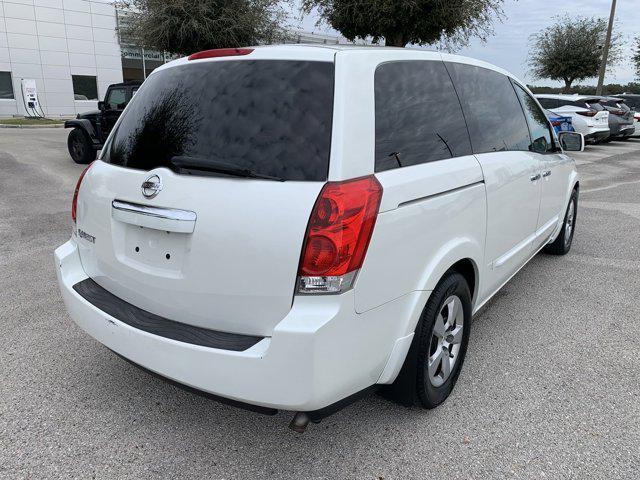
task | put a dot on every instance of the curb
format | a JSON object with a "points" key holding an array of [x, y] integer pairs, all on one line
{"points": [[55, 125]]}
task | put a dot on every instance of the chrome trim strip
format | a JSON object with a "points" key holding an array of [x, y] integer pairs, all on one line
{"points": [[439, 194], [157, 212]]}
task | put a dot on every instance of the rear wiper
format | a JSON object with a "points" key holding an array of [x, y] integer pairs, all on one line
{"points": [[208, 165]]}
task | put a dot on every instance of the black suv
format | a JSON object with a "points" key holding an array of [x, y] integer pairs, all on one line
{"points": [[90, 129]]}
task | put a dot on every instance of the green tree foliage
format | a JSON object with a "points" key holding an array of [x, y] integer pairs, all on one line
{"points": [[187, 26], [610, 89], [571, 49], [400, 22], [636, 57]]}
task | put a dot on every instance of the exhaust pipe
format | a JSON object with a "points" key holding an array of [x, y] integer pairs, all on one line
{"points": [[299, 422]]}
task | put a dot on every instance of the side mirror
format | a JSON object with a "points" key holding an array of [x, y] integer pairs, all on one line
{"points": [[540, 145], [571, 141], [100, 105]]}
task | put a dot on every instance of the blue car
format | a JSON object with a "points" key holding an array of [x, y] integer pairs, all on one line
{"points": [[559, 123]]}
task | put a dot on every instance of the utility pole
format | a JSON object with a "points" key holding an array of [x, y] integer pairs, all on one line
{"points": [[605, 50]]}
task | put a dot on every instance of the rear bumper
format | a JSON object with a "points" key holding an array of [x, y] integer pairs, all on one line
{"points": [[627, 131], [319, 354], [596, 135]]}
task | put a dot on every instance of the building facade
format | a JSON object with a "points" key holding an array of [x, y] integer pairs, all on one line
{"points": [[70, 50], [69, 47]]}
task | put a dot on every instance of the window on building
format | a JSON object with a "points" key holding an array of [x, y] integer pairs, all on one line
{"points": [[6, 86], [85, 87], [418, 115], [494, 116]]}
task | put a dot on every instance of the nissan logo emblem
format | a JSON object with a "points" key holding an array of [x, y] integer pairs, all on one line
{"points": [[151, 186]]}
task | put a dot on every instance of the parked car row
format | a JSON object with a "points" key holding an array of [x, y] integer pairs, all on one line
{"points": [[599, 119]]}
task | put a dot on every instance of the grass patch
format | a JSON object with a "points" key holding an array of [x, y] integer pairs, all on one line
{"points": [[30, 121]]}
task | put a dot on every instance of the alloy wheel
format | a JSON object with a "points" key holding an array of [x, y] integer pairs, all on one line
{"points": [[446, 339], [568, 226]]}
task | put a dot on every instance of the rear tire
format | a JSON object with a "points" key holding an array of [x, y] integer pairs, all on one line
{"points": [[442, 336], [562, 244], [80, 147]]}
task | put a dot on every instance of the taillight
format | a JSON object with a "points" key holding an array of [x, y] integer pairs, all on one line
{"points": [[220, 52], [338, 235], [74, 202], [588, 113]]}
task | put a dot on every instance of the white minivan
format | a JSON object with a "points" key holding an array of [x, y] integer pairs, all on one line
{"points": [[289, 227]]}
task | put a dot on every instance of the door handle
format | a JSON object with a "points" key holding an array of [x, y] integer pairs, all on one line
{"points": [[535, 177], [546, 173]]}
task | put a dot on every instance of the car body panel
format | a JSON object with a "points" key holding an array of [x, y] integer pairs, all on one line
{"points": [[235, 268]]}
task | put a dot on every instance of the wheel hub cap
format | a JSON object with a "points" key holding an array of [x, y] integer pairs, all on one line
{"points": [[568, 228], [446, 339]]}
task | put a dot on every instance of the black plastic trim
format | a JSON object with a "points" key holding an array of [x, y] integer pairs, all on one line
{"points": [[157, 325], [317, 415]]}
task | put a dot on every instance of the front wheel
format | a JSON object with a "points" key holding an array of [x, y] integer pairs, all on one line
{"points": [[443, 335], [562, 244], [80, 147]]}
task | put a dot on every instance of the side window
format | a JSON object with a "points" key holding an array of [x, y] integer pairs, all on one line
{"points": [[418, 115], [538, 124], [492, 110], [116, 98]]}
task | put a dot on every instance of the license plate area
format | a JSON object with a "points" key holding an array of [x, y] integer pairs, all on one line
{"points": [[154, 251]]}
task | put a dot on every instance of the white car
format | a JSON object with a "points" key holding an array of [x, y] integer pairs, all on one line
{"points": [[288, 227], [591, 122]]}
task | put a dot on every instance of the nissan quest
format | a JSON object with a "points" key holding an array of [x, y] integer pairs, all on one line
{"points": [[292, 227]]}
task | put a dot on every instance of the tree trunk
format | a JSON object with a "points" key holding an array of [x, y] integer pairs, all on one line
{"points": [[567, 85], [395, 40]]}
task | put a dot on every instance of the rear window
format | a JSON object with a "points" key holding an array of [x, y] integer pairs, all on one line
{"points": [[271, 117], [633, 102], [549, 102]]}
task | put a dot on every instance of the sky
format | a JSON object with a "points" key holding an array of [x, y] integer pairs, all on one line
{"points": [[508, 47]]}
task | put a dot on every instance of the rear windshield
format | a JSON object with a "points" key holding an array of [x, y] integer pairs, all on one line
{"points": [[270, 117], [633, 102]]}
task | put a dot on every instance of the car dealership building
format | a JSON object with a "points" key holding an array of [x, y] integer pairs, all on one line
{"points": [[70, 51]]}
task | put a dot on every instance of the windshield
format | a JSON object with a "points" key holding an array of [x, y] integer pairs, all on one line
{"points": [[269, 117]]}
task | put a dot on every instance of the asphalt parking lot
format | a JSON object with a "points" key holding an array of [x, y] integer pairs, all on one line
{"points": [[550, 387]]}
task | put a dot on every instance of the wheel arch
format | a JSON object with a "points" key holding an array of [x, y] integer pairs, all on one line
{"points": [[84, 125], [463, 256], [400, 387], [469, 270]]}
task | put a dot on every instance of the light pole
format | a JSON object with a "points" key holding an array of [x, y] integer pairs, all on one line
{"points": [[605, 50]]}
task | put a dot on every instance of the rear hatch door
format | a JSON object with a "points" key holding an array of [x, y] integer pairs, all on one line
{"points": [[199, 206]]}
